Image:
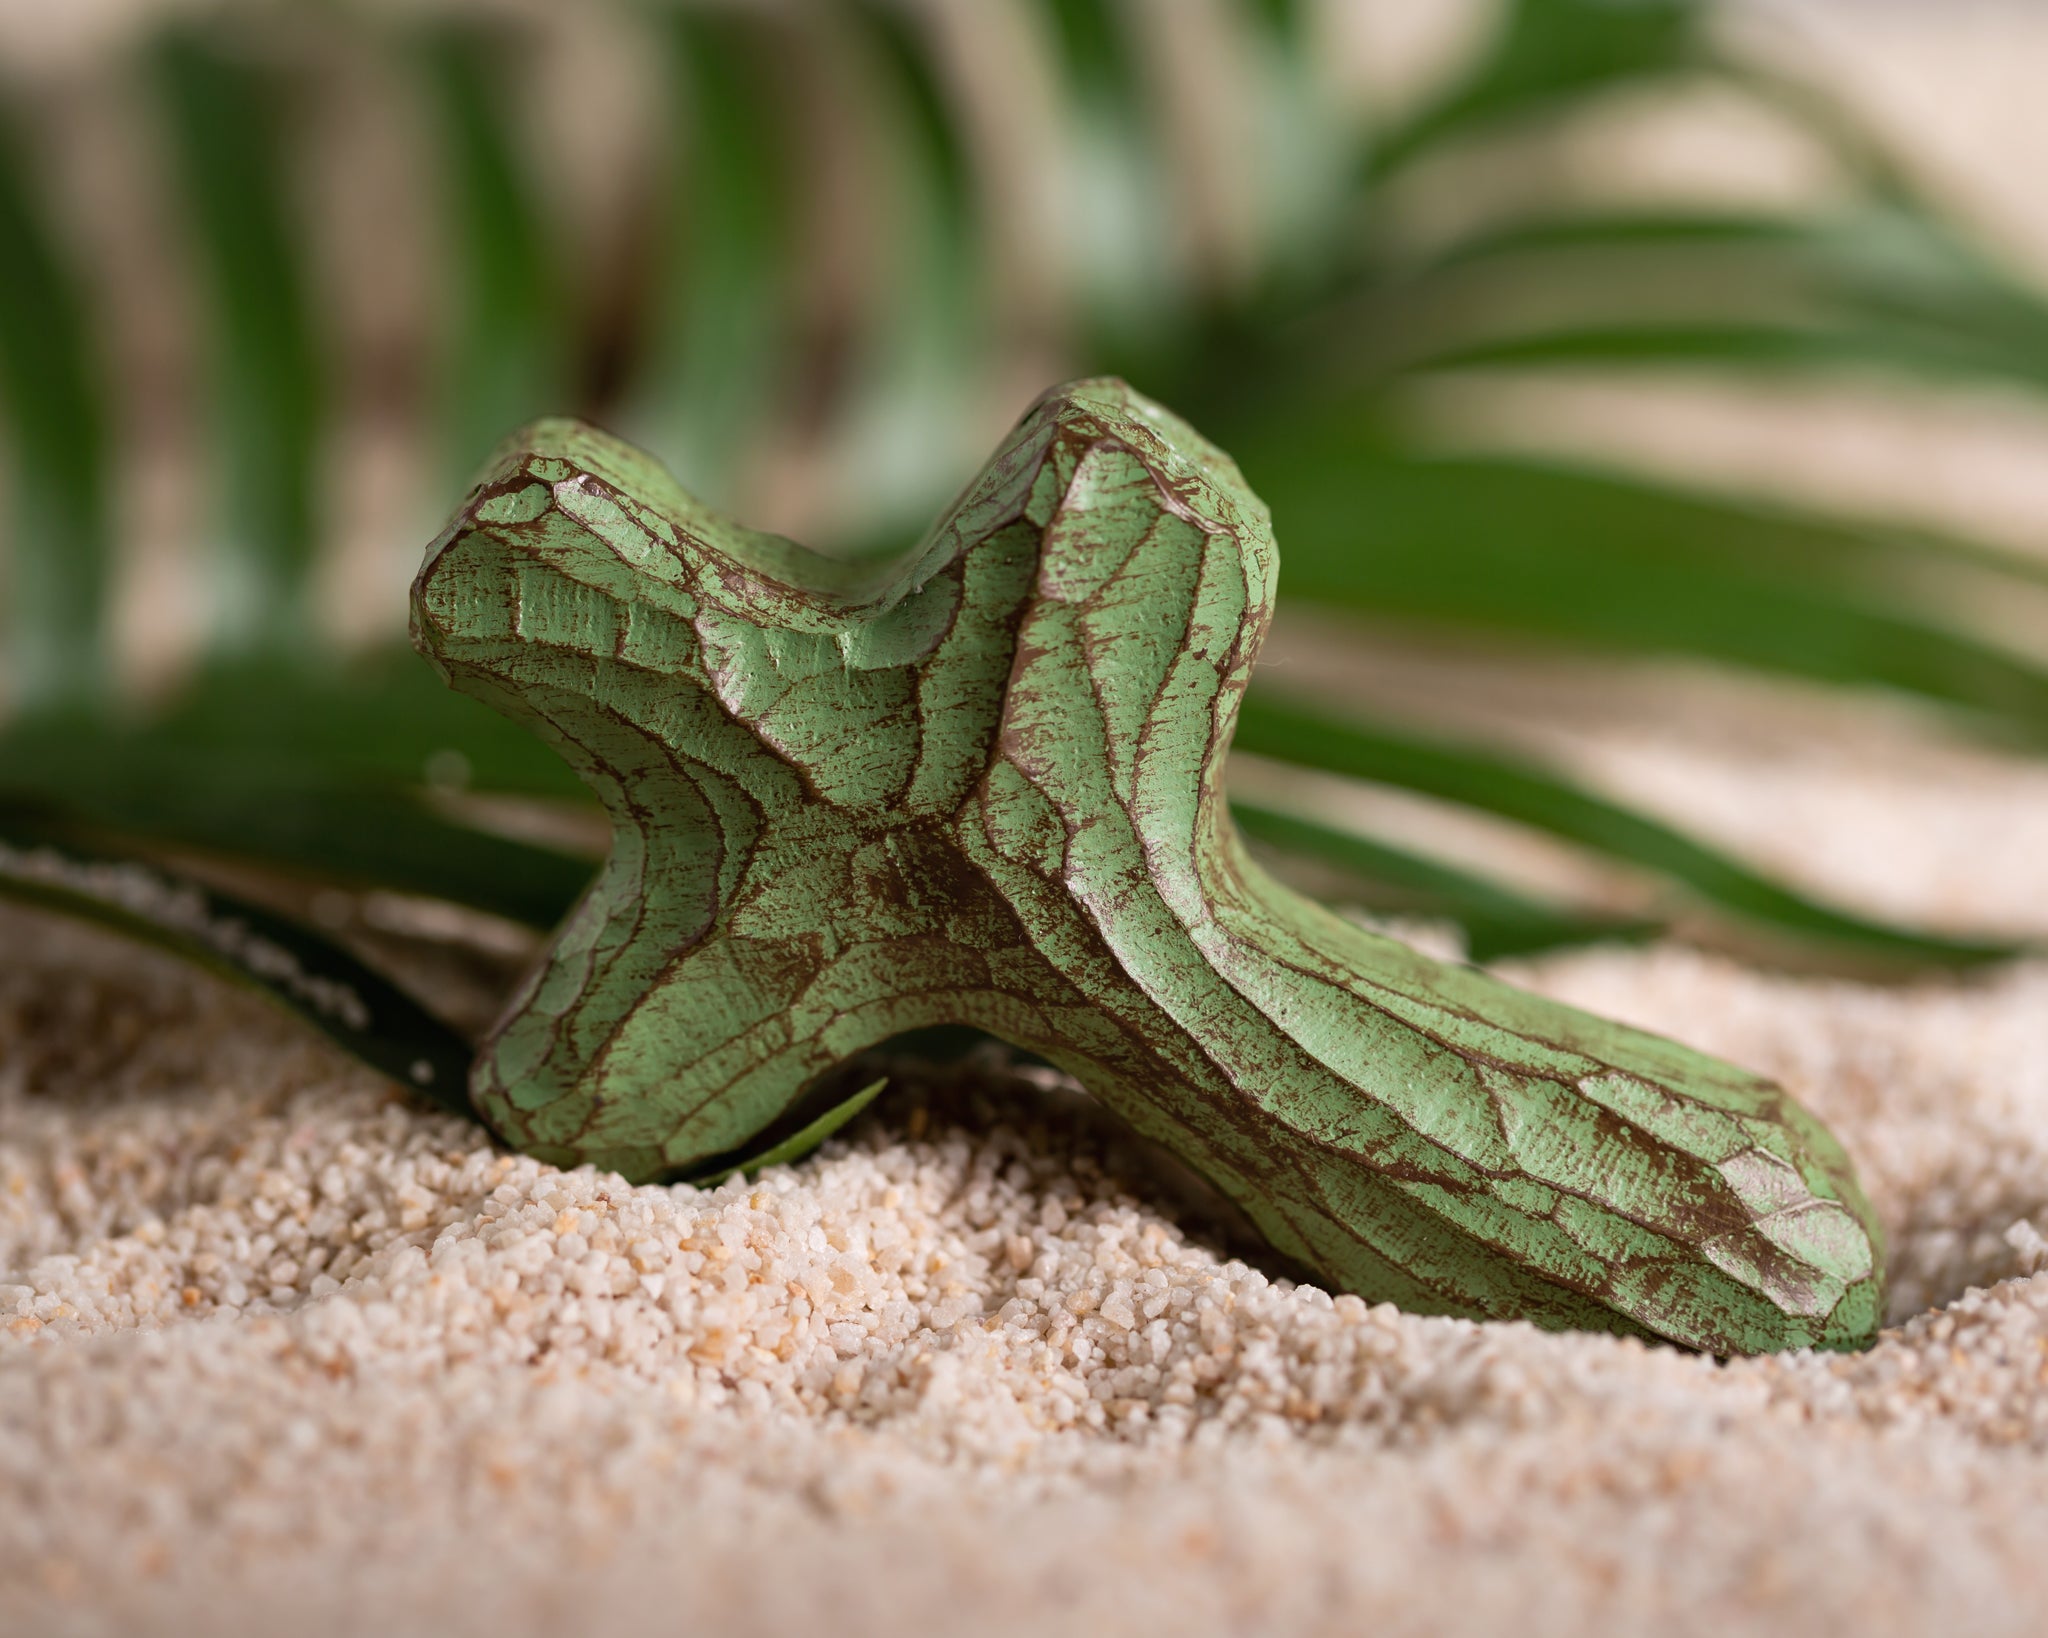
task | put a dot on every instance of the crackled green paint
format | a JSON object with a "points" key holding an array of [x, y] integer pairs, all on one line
{"points": [[984, 787]]}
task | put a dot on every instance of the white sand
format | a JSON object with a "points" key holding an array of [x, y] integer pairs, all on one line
{"points": [[280, 1353]]}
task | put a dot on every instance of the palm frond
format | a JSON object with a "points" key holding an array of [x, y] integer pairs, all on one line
{"points": [[222, 123], [1530, 796], [506, 359], [310, 977], [710, 337], [54, 397]]}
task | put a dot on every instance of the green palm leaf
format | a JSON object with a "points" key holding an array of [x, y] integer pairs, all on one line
{"points": [[222, 119], [52, 395], [703, 339], [1497, 921], [307, 975], [506, 360], [1621, 565], [1530, 796]]}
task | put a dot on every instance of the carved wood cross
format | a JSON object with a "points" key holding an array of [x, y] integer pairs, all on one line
{"points": [[984, 786]]}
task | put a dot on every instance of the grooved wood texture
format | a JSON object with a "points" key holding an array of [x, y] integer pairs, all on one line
{"points": [[984, 787]]}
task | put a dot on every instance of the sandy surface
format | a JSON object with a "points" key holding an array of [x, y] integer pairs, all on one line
{"points": [[279, 1352]]}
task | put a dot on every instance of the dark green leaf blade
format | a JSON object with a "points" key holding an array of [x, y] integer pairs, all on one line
{"points": [[53, 399], [1116, 178], [1498, 922], [244, 806], [1513, 790], [1887, 286], [918, 348], [226, 143], [1757, 346], [309, 976], [383, 718], [1614, 563], [1625, 231], [721, 343], [1550, 53], [505, 362]]}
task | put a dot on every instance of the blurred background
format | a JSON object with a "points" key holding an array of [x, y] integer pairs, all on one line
{"points": [[1651, 396]]}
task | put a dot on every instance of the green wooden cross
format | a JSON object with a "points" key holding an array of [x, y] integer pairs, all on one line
{"points": [[984, 786]]}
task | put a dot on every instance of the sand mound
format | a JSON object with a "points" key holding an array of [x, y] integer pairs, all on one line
{"points": [[277, 1348]]}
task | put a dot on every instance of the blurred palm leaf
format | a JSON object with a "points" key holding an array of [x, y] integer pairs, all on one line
{"points": [[1548, 53], [506, 361], [53, 396], [222, 121], [723, 336], [1496, 921], [1501, 786], [1612, 563]]}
